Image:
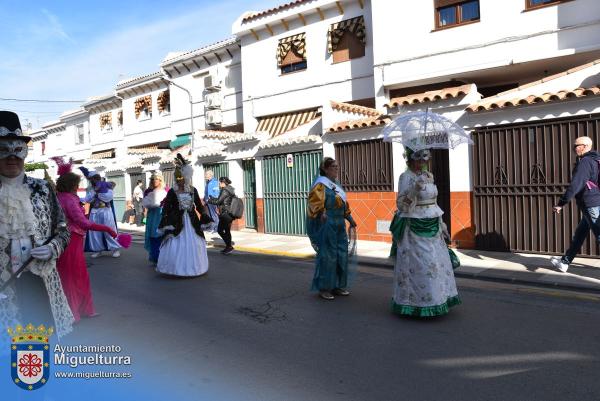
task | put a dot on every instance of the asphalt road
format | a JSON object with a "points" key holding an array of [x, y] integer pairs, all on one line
{"points": [[251, 330]]}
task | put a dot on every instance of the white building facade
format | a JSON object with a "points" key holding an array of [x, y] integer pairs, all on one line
{"points": [[315, 78]]}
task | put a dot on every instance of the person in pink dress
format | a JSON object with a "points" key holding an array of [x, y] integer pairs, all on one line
{"points": [[71, 265]]}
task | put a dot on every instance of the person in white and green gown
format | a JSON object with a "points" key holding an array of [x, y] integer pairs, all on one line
{"points": [[424, 283]]}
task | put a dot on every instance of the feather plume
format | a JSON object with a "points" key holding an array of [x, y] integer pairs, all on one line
{"points": [[124, 240], [85, 171], [63, 167]]}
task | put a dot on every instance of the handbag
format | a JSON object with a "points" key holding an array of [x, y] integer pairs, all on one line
{"points": [[453, 259]]}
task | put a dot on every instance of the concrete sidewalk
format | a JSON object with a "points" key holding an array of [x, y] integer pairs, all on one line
{"points": [[584, 273]]}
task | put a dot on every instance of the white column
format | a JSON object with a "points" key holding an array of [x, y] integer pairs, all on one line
{"points": [[259, 180], [128, 188], [198, 179], [236, 175], [460, 169], [328, 150], [399, 163]]}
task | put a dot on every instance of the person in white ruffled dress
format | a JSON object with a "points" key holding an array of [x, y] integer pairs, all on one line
{"points": [[100, 198], [183, 248], [424, 283]]}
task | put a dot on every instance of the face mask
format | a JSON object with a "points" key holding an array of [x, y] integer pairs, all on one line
{"points": [[421, 155], [13, 148]]}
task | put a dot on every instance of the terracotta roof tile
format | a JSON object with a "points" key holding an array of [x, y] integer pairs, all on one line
{"points": [[274, 10], [430, 96], [533, 99], [198, 52], [227, 137], [143, 150], [283, 141], [362, 123], [352, 108], [127, 82], [551, 77]]}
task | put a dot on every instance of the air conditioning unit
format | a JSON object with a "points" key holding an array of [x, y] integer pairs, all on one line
{"points": [[214, 117], [213, 100], [212, 82]]}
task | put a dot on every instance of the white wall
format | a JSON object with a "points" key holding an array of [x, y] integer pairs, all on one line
{"points": [[103, 139], [66, 140], [268, 92], [408, 49], [228, 72], [145, 130]]}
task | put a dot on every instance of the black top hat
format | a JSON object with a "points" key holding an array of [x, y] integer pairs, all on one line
{"points": [[10, 127]]}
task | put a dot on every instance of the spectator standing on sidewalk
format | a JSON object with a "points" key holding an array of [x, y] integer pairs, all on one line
{"points": [[212, 190], [138, 195], [328, 211], [225, 218], [584, 188]]}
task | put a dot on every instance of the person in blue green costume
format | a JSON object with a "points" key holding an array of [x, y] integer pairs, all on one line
{"points": [[152, 202], [328, 211], [424, 283]]}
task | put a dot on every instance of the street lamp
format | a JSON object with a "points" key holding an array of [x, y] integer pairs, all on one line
{"points": [[169, 80]]}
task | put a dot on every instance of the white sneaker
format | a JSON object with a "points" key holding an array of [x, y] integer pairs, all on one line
{"points": [[559, 264], [116, 254], [95, 255]]}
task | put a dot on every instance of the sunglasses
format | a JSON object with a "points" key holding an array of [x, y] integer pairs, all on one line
{"points": [[578, 145]]}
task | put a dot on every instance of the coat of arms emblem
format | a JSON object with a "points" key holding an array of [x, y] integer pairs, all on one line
{"points": [[30, 356]]}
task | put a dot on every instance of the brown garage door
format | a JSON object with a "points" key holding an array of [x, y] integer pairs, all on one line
{"points": [[519, 172]]}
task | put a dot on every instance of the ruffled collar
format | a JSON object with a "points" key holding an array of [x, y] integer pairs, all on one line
{"points": [[12, 181], [17, 219]]}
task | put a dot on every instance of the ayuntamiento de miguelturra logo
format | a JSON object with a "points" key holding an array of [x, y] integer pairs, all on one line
{"points": [[30, 355]]}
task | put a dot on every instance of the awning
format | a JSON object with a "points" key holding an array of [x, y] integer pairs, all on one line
{"points": [[180, 141], [296, 43], [105, 154], [337, 30], [281, 123]]}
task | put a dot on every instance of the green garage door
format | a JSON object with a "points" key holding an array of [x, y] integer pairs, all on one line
{"points": [[286, 191], [118, 194], [249, 193], [219, 169]]}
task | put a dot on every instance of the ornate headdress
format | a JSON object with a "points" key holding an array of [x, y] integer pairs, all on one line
{"points": [[88, 173], [183, 171], [63, 167]]}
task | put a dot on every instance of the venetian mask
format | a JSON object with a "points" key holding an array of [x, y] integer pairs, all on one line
{"points": [[421, 155], [13, 147]]}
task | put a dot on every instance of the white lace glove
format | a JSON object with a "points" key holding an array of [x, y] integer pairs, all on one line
{"points": [[43, 252]]}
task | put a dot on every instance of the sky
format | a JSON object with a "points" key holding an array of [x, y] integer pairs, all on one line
{"points": [[73, 50]]}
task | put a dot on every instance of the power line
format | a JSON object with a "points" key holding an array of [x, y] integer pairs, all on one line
{"points": [[41, 101], [37, 112]]}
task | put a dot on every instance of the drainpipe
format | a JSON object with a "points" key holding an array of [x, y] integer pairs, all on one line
{"points": [[170, 81]]}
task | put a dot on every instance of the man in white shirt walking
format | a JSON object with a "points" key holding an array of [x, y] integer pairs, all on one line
{"points": [[138, 195]]}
